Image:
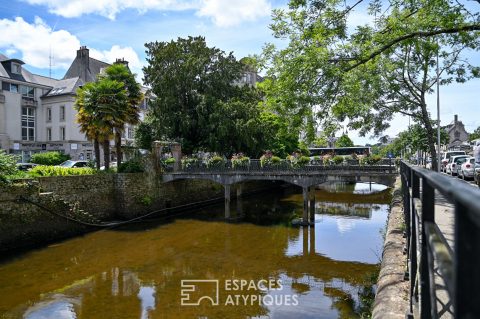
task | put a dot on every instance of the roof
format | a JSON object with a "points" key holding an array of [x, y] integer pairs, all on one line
{"points": [[94, 67], [25, 76], [65, 86]]}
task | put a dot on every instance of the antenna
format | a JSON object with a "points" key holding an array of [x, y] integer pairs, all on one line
{"points": [[50, 62]]}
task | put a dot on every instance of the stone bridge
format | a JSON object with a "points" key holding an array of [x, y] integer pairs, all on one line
{"points": [[306, 177]]}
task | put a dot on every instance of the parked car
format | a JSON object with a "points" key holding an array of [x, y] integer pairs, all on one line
{"points": [[446, 158], [476, 176], [25, 166], [453, 162], [74, 164], [467, 169]]}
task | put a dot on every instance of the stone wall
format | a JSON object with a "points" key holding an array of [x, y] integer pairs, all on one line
{"points": [[391, 300], [106, 197]]}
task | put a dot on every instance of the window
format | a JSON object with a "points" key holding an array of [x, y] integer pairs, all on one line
{"points": [[49, 114], [130, 132], [49, 134], [62, 113], [27, 91], [13, 87], [28, 124], [16, 68], [62, 133]]}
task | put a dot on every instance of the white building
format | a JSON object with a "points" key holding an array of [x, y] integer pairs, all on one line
{"points": [[37, 113]]}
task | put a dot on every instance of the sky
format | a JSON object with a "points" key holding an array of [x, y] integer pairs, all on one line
{"points": [[48, 32]]}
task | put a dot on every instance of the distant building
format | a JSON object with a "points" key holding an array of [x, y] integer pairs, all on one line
{"points": [[37, 113], [457, 133]]}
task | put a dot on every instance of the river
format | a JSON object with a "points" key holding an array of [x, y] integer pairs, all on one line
{"points": [[258, 266]]}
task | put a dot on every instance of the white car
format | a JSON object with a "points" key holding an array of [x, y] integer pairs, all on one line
{"points": [[451, 167], [467, 169], [446, 157], [74, 164]]}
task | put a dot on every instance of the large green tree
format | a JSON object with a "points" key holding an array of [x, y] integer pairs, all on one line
{"points": [[369, 74], [344, 141], [200, 102]]}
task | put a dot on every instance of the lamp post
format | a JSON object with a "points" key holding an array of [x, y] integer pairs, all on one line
{"points": [[439, 160]]}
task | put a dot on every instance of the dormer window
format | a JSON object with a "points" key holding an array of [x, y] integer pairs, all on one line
{"points": [[16, 68]]}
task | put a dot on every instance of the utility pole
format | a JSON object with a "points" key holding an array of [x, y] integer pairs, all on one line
{"points": [[439, 160]]}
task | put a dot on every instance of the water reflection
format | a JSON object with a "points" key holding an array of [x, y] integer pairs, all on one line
{"points": [[136, 272]]}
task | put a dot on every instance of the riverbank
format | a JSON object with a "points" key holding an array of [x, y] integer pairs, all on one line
{"points": [[391, 300], [46, 209]]}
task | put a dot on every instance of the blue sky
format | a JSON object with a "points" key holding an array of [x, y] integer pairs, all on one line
{"points": [[33, 30]]}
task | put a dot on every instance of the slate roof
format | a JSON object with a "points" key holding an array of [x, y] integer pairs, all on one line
{"points": [[65, 86], [94, 67], [25, 76]]}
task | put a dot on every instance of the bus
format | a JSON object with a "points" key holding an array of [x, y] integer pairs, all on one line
{"points": [[342, 151]]}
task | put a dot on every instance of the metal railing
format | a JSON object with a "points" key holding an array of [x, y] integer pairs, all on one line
{"points": [[255, 165], [427, 249]]}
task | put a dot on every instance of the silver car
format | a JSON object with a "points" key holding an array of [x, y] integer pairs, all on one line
{"points": [[467, 169], [452, 164]]}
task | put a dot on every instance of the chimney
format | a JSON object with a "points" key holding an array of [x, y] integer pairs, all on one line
{"points": [[121, 61], [83, 57], [455, 120]]}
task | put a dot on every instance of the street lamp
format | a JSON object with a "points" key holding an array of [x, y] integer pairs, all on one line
{"points": [[439, 160]]}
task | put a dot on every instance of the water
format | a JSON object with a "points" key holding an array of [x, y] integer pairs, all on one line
{"points": [[137, 272]]}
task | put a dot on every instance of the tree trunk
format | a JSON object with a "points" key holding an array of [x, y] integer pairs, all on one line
{"points": [[106, 153], [431, 137], [118, 146], [96, 147]]}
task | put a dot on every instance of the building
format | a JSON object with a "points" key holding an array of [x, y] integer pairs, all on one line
{"points": [[457, 133], [37, 113]]}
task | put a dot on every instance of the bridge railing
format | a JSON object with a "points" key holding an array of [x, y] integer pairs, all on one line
{"points": [[255, 165], [429, 252]]}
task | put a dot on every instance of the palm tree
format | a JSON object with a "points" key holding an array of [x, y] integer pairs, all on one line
{"points": [[99, 105], [129, 112]]}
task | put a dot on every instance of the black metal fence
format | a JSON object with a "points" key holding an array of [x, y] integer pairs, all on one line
{"points": [[255, 165], [427, 249]]}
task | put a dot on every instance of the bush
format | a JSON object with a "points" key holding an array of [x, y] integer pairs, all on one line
{"points": [[189, 162], [326, 159], [8, 164], [215, 161], [298, 161], [43, 170], [170, 160], [337, 160], [134, 165], [49, 158], [239, 160]]}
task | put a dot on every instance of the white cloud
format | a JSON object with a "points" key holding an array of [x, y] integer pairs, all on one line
{"points": [[36, 41], [228, 13], [222, 12]]}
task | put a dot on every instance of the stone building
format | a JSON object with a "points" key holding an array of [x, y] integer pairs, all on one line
{"points": [[37, 113], [457, 133]]}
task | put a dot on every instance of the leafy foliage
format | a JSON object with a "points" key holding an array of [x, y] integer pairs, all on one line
{"points": [[475, 135], [43, 170], [337, 159], [368, 74], [8, 165], [133, 165], [344, 141], [240, 160], [49, 158]]}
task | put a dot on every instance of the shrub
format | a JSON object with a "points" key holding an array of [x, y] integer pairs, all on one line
{"points": [[337, 160], [134, 165], [170, 160], [326, 159], [8, 164], [215, 161], [189, 162], [43, 170], [240, 160], [49, 158], [268, 159]]}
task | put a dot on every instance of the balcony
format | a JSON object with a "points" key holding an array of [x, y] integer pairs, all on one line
{"points": [[29, 102]]}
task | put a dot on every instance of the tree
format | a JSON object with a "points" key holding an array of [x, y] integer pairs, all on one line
{"points": [[200, 102], [99, 105], [129, 112], [475, 135], [344, 141], [367, 75]]}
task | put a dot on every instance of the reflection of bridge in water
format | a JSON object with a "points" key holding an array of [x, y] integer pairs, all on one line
{"points": [[306, 177]]}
